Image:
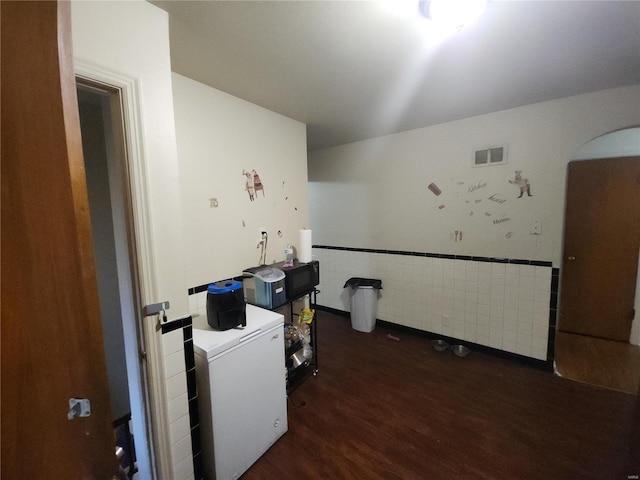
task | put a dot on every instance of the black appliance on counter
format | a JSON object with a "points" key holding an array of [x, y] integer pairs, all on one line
{"points": [[300, 278], [226, 308]]}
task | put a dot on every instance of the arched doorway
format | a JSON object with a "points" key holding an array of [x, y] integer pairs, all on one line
{"points": [[590, 348]]}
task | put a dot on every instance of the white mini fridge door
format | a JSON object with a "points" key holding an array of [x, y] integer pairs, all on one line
{"points": [[246, 391]]}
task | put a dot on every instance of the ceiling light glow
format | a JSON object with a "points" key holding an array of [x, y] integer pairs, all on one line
{"points": [[454, 14]]}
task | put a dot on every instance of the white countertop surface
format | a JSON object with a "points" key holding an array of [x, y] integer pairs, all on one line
{"points": [[208, 342]]}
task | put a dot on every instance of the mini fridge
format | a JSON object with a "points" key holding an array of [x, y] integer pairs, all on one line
{"points": [[241, 391]]}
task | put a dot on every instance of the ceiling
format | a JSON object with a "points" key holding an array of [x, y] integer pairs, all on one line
{"points": [[352, 70]]}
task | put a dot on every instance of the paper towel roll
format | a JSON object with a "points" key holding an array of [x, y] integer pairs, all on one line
{"points": [[304, 246]]}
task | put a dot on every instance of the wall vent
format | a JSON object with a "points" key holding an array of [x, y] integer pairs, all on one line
{"points": [[496, 155]]}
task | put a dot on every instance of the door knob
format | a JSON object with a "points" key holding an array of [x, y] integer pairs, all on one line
{"points": [[571, 258]]}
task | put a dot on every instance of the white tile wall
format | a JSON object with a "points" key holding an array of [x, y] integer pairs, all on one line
{"points": [[178, 405], [498, 305], [198, 304]]}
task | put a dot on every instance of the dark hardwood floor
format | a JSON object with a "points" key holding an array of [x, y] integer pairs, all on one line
{"points": [[385, 409]]}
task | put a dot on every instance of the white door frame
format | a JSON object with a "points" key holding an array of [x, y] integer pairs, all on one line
{"points": [[148, 378]]}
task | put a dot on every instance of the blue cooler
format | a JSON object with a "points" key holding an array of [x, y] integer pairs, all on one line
{"points": [[226, 308]]}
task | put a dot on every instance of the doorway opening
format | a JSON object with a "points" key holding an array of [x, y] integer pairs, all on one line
{"points": [[104, 145], [597, 340]]}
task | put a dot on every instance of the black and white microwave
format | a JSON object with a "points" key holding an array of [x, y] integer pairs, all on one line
{"points": [[301, 278]]}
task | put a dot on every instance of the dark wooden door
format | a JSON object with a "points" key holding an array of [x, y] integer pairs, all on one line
{"points": [[52, 347], [602, 231]]}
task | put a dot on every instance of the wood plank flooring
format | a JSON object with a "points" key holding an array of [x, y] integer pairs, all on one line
{"points": [[385, 409], [597, 361]]}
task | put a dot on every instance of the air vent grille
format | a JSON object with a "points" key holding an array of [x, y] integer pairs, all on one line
{"points": [[496, 155]]}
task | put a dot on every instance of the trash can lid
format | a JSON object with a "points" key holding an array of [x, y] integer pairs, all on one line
{"points": [[355, 282]]}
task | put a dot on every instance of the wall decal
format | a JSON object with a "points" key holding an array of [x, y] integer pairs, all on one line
{"points": [[509, 234], [441, 207], [253, 184], [456, 236], [476, 186], [523, 183], [501, 220], [257, 183], [434, 188], [248, 185], [497, 199]]}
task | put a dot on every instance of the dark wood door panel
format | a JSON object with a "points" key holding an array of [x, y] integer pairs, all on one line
{"points": [[600, 261], [52, 346]]}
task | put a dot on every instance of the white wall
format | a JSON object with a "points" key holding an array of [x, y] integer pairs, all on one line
{"points": [[373, 194], [132, 38], [621, 143], [218, 137]]}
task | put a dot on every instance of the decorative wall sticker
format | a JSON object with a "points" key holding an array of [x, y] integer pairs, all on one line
{"points": [[523, 183], [508, 234], [248, 185], [476, 186], [498, 221], [257, 183], [497, 199], [440, 207], [456, 236], [434, 188], [253, 184]]}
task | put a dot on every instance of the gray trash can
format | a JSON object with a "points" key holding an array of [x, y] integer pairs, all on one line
{"points": [[364, 302]]}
